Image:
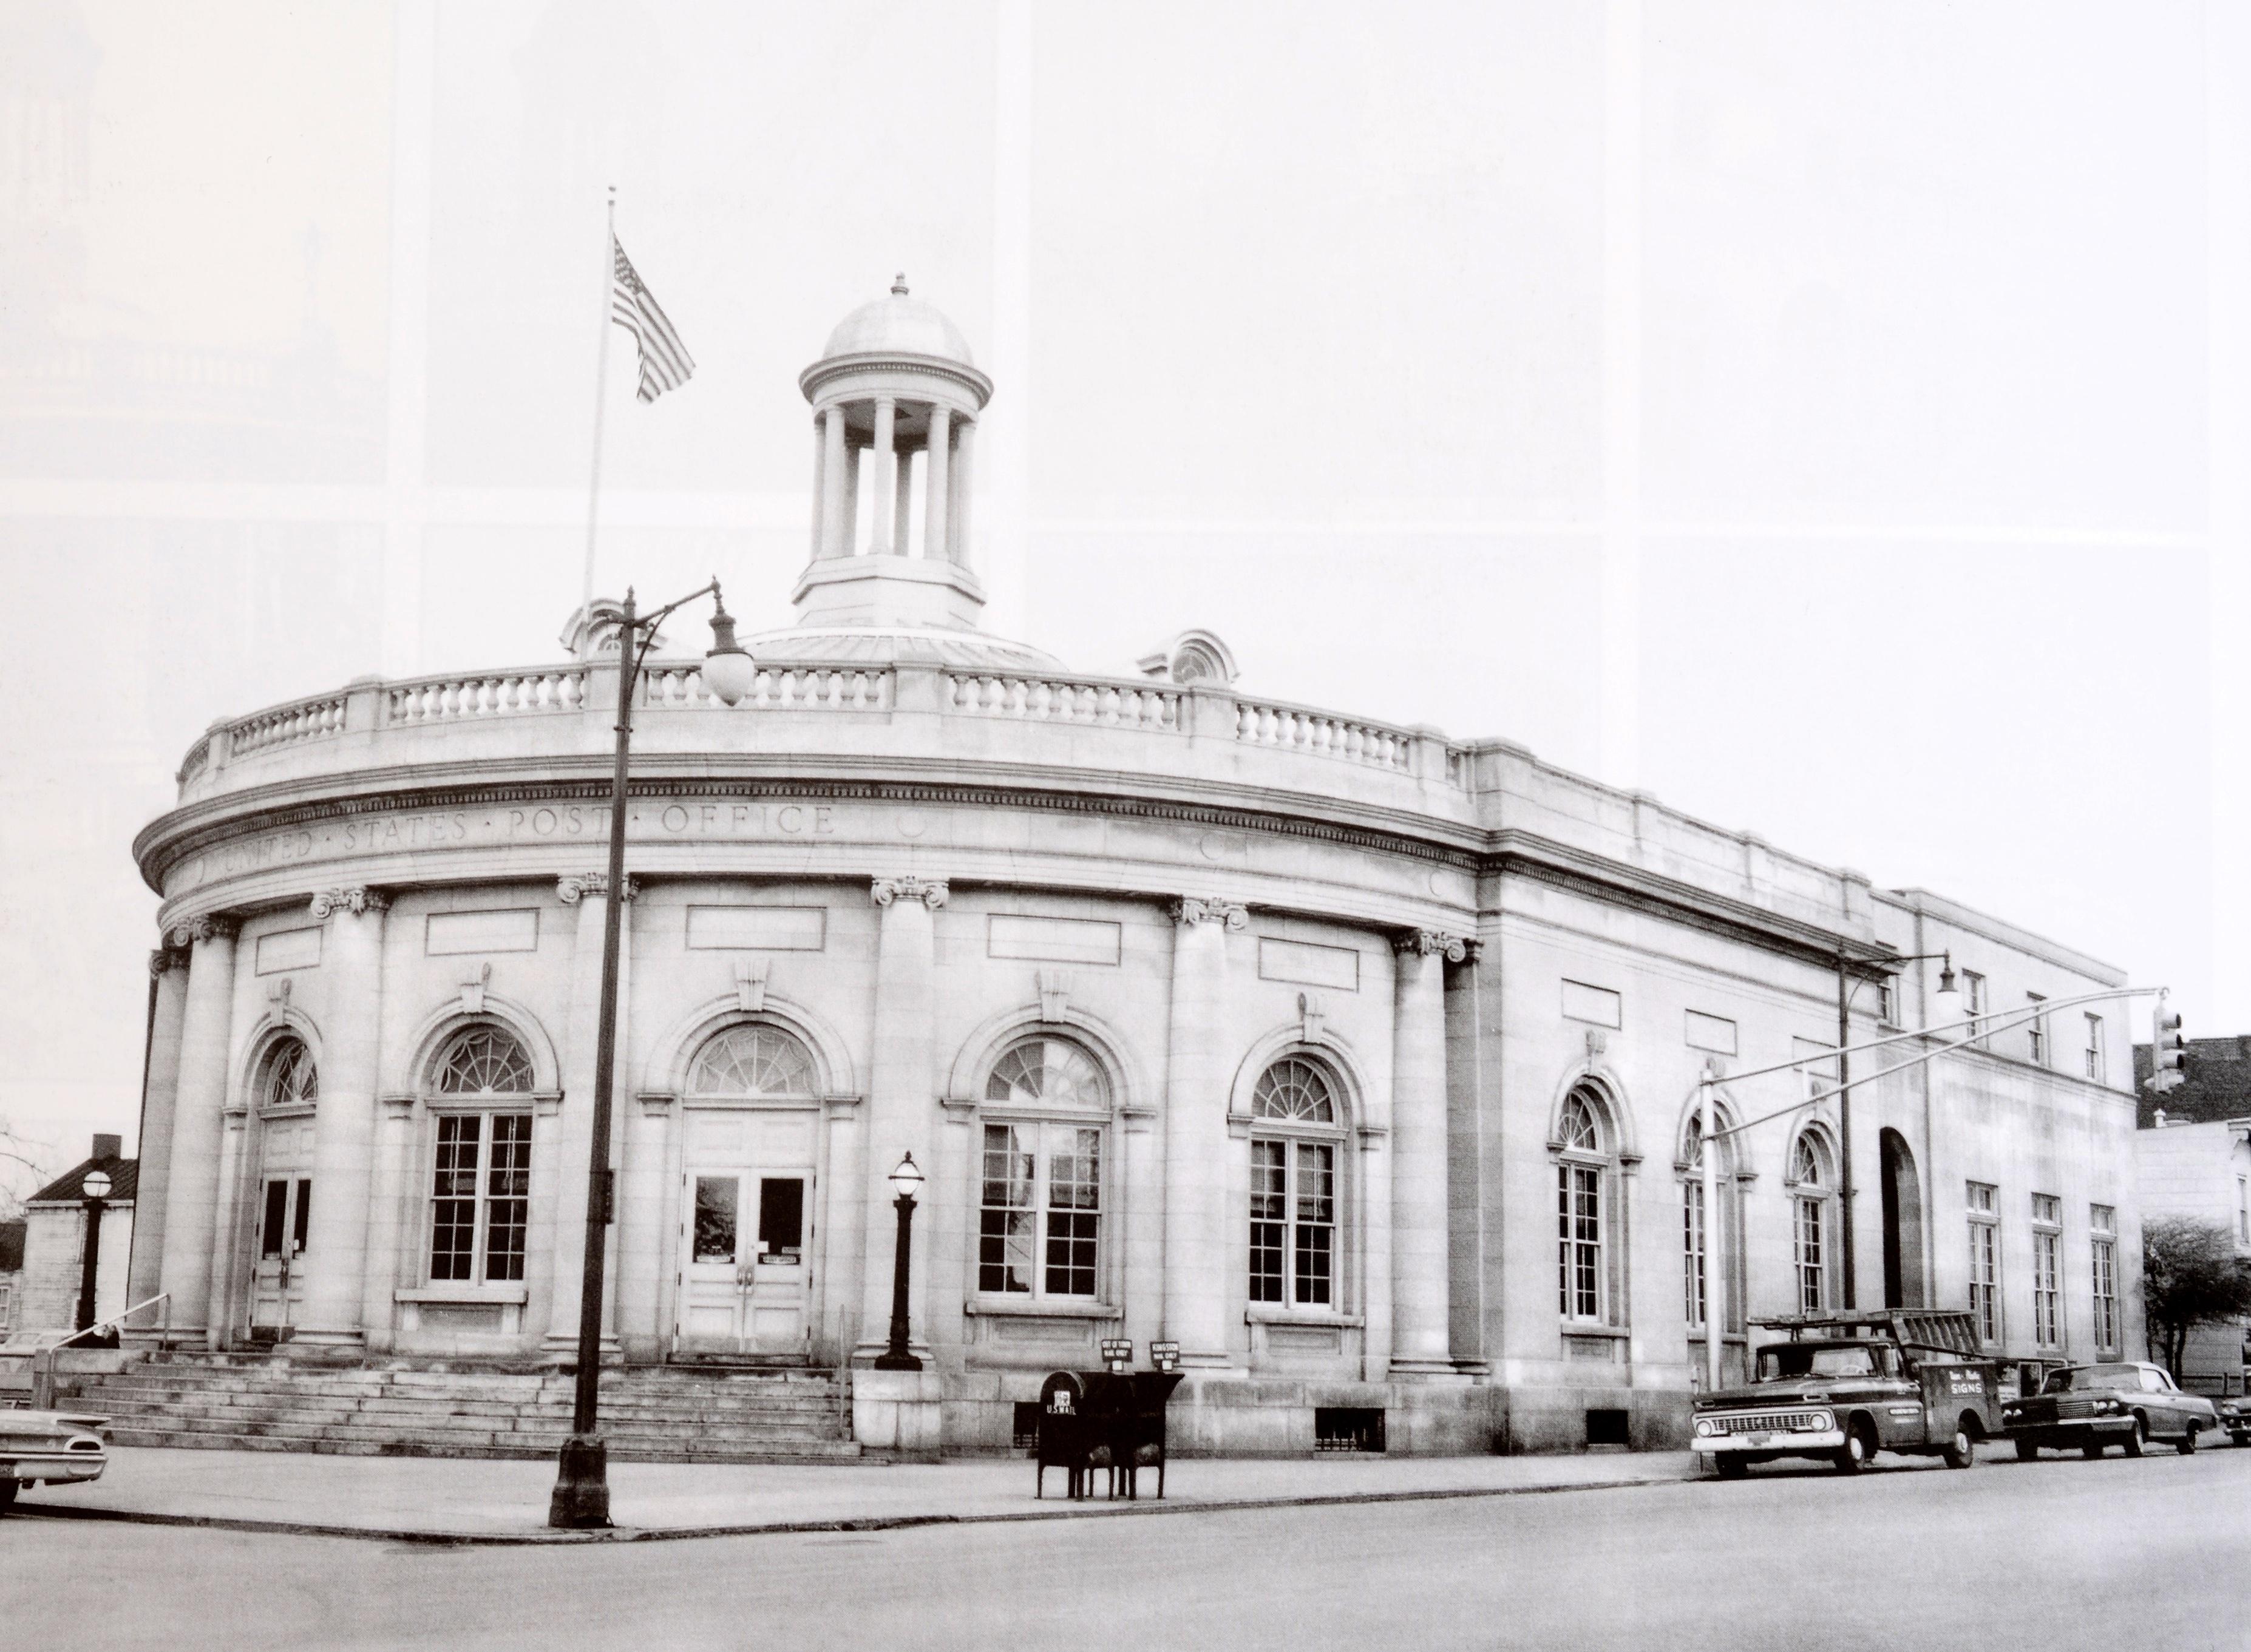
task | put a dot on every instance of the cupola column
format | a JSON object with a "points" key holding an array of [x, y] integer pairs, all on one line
{"points": [[937, 503], [887, 479], [957, 543], [835, 518], [903, 521]]}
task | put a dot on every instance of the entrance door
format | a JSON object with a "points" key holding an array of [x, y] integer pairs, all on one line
{"points": [[277, 1278], [746, 1270]]}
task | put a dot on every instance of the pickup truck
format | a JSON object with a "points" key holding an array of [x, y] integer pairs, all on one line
{"points": [[1848, 1385]]}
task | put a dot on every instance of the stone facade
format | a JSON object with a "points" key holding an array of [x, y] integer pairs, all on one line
{"points": [[1270, 1032], [48, 1292]]}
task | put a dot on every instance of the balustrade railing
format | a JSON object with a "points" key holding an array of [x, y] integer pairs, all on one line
{"points": [[1092, 701], [1293, 729], [192, 765], [775, 688], [285, 725], [497, 693]]}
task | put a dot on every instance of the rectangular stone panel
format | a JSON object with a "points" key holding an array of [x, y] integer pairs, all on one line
{"points": [[514, 929], [1713, 1033], [1308, 964], [1051, 940], [288, 949], [758, 929], [1595, 1003], [1073, 1332]]}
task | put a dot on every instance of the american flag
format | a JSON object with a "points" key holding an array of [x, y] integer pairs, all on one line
{"points": [[664, 360]]}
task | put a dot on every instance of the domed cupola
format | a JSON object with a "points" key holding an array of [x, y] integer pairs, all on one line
{"points": [[895, 399]]}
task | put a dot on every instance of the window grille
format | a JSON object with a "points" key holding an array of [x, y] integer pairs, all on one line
{"points": [[752, 1060], [484, 1061], [292, 1079]]}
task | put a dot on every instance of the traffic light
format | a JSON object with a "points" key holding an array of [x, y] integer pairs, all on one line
{"points": [[2168, 1049]]}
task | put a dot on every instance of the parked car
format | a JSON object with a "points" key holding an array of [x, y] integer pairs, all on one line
{"points": [[2093, 1407], [54, 1447], [2236, 1417]]}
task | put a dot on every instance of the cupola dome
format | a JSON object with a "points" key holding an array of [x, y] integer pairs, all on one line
{"points": [[898, 325]]}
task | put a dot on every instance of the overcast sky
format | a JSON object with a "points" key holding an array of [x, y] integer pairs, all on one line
{"points": [[1807, 414]]}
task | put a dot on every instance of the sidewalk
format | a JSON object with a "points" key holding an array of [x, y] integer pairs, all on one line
{"points": [[449, 1500]]}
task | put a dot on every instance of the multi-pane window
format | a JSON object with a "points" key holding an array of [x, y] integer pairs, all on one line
{"points": [[1692, 1245], [1695, 1290], [1039, 1220], [1581, 1244], [2036, 1033], [1039, 1227], [1984, 1261], [2103, 1221], [2048, 1268], [1973, 1001], [2243, 1209], [480, 1197], [481, 1171], [1293, 1186], [1888, 1005], [2093, 1052], [1293, 1223], [1810, 1227]]}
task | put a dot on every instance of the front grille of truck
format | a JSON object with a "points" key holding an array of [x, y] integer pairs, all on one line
{"points": [[1768, 1422]]}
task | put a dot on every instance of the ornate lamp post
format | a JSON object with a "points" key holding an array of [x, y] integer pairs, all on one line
{"points": [[96, 1189], [582, 1485], [904, 1180]]}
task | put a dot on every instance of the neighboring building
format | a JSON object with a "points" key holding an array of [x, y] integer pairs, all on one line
{"points": [[2192, 1158], [11, 1275], [54, 1242], [1356, 1061]]}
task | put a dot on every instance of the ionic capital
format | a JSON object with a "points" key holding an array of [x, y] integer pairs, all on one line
{"points": [[571, 890], [931, 892], [166, 957], [358, 900], [211, 926], [1423, 942], [1191, 909]]}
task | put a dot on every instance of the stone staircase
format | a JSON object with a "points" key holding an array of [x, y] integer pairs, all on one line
{"points": [[462, 1408]]}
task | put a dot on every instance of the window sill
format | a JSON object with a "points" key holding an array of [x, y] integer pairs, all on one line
{"points": [[515, 1293], [1268, 1314], [1584, 1328], [1029, 1308]]}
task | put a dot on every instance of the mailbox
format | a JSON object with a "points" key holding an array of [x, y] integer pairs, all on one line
{"points": [[1100, 1420]]}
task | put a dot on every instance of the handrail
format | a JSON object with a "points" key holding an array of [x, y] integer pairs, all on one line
{"points": [[43, 1360]]}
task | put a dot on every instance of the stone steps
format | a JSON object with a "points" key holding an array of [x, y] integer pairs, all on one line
{"points": [[266, 1402]]}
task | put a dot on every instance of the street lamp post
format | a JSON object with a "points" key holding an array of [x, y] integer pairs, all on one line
{"points": [[96, 1189], [904, 1180], [582, 1488]]}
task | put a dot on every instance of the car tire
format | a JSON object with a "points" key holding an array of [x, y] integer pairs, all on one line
{"points": [[2091, 1450], [2028, 1452], [1853, 1455], [7, 1494], [1730, 1467], [2139, 1441], [1962, 1450], [2188, 1440]]}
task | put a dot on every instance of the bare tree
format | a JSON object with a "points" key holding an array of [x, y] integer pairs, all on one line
{"points": [[24, 1166], [2191, 1276]]}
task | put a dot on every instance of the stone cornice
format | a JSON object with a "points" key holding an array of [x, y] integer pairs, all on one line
{"points": [[1432, 839]]}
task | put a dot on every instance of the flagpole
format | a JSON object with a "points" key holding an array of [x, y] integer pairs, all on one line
{"points": [[601, 388]]}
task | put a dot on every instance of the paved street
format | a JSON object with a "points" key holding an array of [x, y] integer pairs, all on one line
{"points": [[2065, 1553]]}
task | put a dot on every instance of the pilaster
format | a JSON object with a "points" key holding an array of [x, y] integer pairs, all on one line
{"points": [[1420, 1302], [571, 1130], [160, 1101], [343, 1120], [1197, 1150], [198, 1130], [901, 1090]]}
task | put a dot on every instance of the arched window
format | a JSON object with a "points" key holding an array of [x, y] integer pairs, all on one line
{"points": [[481, 1170], [1695, 1229], [751, 1059], [291, 1079], [1582, 1194], [483, 1060], [1294, 1141], [1812, 1179], [1039, 1221]]}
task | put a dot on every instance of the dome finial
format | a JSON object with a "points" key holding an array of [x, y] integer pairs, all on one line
{"points": [[899, 284]]}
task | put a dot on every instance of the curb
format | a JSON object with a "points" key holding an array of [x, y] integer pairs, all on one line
{"points": [[789, 1528]]}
